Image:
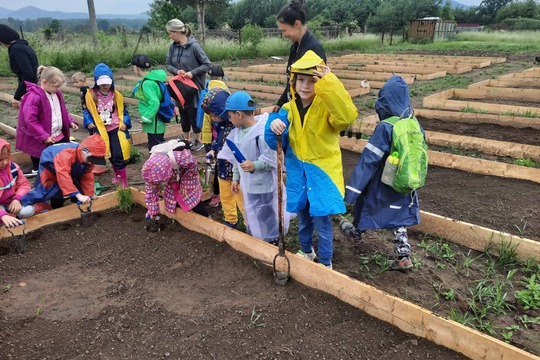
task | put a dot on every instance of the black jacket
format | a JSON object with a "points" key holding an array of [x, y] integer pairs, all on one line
{"points": [[308, 42], [24, 63]]}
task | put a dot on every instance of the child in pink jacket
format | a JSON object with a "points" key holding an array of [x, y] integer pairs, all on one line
{"points": [[176, 169], [13, 185]]}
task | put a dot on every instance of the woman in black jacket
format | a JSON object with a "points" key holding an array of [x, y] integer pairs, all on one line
{"points": [[22, 61], [291, 20]]}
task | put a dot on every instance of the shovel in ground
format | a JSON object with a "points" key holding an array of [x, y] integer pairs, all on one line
{"points": [[19, 240], [281, 277], [87, 217]]}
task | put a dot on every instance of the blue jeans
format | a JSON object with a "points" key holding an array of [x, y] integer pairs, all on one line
{"points": [[323, 227]]}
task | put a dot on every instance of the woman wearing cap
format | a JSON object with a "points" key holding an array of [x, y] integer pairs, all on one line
{"points": [[187, 58], [291, 20], [22, 61], [66, 170], [107, 115], [43, 117]]}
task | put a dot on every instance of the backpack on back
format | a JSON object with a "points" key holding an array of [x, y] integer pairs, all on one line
{"points": [[166, 105], [408, 141], [182, 89]]}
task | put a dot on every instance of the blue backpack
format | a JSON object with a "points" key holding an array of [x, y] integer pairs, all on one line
{"points": [[166, 105]]}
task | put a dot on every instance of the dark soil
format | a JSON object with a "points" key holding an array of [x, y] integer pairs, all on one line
{"points": [[114, 291], [527, 136]]}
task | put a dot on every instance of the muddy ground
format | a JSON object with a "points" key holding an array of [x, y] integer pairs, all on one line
{"points": [[141, 296], [114, 291]]}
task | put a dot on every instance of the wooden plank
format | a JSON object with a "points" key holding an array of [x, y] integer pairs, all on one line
{"points": [[474, 118], [523, 83], [65, 213], [463, 163], [480, 107], [494, 93]]}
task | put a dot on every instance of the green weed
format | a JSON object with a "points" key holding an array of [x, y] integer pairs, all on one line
{"points": [[125, 199], [507, 256], [526, 114], [474, 110], [135, 156], [527, 162], [422, 88], [255, 317], [530, 297], [439, 250], [382, 261]]}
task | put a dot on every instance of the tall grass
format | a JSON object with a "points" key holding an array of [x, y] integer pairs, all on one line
{"points": [[74, 52]]}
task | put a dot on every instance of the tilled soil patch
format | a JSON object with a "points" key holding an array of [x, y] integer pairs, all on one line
{"points": [[527, 136], [115, 291]]}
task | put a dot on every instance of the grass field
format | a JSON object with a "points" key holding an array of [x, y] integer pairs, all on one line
{"points": [[76, 52]]}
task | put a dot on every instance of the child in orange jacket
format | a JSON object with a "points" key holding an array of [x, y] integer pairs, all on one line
{"points": [[13, 186]]}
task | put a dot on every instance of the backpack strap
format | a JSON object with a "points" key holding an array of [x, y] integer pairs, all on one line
{"points": [[14, 174], [183, 79]]}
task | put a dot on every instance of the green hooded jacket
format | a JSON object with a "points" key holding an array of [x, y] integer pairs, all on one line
{"points": [[149, 95]]}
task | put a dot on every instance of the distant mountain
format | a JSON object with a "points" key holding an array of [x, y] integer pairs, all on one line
{"points": [[457, 5], [32, 12]]}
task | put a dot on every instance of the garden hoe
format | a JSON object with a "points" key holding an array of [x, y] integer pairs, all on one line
{"points": [[19, 240], [281, 277], [87, 217]]}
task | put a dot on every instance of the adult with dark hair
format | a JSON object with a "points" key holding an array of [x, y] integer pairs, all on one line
{"points": [[291, 20], [187, 58], [22, 61]]}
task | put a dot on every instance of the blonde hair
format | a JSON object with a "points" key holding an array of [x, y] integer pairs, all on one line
{"points": [[78, 76], [176, 25], [51, 74]]}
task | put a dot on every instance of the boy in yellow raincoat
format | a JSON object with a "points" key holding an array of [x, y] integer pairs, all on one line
{"points": [[310, 124]]}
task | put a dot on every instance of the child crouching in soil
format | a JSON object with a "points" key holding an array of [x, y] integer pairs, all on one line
{"points": [[171, 164], [13, 186]]}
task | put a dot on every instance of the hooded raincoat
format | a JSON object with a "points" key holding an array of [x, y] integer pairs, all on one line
{"points": [[24, 63], [262, 209], [61, 169], [13, 184], [312, 150], [203, 120], [91, 114], [35, 120], [377, 205], [148, 92]]}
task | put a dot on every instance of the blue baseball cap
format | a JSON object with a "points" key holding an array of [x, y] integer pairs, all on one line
{"points": [[240, 101]]}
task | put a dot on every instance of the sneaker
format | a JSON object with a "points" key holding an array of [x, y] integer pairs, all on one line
{"points": [[329, 266], [197, 145], [350, 231], [404, 263], [31, 173], [310, 255], [214, 201]]}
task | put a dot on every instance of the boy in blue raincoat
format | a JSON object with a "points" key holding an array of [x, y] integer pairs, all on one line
{"points": [[377, 205]]}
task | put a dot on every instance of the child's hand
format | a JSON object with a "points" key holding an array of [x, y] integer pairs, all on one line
{"points": [[277, 126], [83, 198], [74, 126], [122, 127], [16, 104], [235, 186], [15, 206], [248, 166], [49, 140], [11, 221], [211, 154], [321, 71], [91, 126]]}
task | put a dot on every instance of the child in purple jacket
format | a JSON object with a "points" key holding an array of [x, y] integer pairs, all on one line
{"points": [[43, 116]]}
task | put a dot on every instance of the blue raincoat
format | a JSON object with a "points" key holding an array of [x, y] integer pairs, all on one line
{"points": [[377, 205]]}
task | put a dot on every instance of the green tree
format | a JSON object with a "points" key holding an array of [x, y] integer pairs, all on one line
{"points": [[55, 26], [488, 9], [446, 11]]}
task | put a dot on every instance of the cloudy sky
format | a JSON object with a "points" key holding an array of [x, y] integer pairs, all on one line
{"points": [[106, 6], [102, 6]]}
